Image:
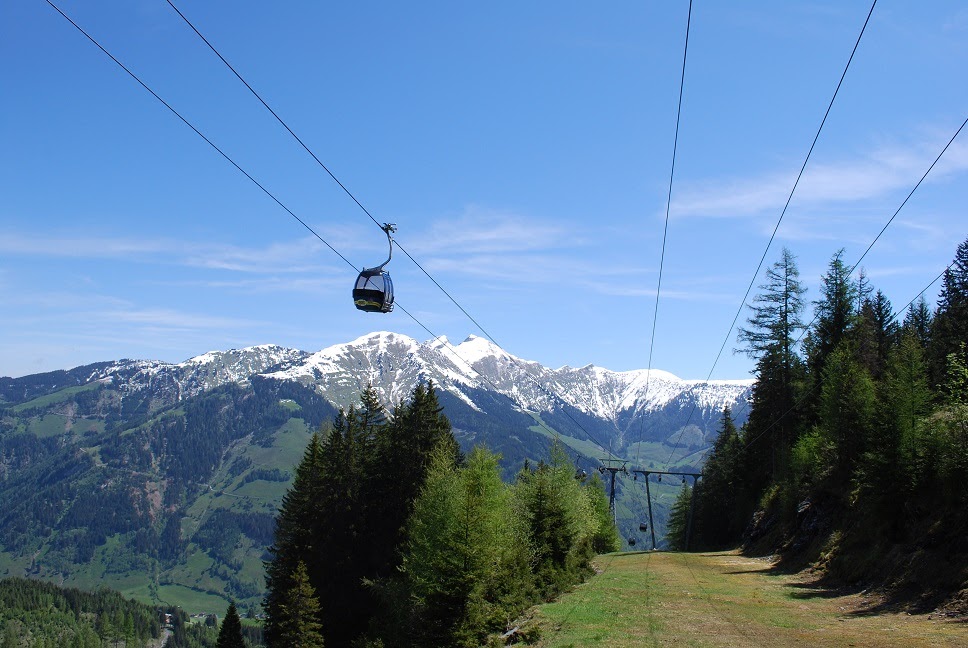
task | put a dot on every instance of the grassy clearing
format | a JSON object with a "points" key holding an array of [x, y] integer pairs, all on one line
{"points": [[52, 399], [724, 600]]}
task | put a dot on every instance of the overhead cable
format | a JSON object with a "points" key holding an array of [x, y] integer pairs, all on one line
{"points": [[287, 209], [375, 221], [769, 243], [665, 229]]}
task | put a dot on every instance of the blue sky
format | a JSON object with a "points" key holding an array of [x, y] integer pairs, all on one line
{"points": [[523, 150]]}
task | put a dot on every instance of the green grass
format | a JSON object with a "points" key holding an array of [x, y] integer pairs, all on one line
{"points": [[191, 600], [52, 399], [725, 600], [49, 425]]}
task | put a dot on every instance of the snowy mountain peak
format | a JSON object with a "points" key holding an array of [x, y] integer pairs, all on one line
{"points": [[474, 349]]}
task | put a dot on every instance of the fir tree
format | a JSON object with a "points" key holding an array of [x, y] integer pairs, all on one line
{"points": [[917, 321], [846, 414], [724, 504], [297, 624], [770, 339], [835, 314], [294, 534], [949, 328], [679, 520], [230, 634], [876, 333]]}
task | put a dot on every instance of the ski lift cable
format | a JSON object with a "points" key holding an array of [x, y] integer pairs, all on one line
{"points": [[346, 190], [269, 193], [883, 229], [274, 114], [665, 229], [198, 132], [786, 206], [891, 219], [812, 389]]}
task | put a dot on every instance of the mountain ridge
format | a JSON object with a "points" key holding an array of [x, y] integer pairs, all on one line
{"points": [[118, 469]]}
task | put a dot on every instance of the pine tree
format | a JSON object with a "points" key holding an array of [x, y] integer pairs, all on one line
{"points": [[888, 468], [724, 504], [846, 414], [10, 638], [917, 320], [679, 520], [606, 538], [294, 534], [403, 450], [770, 339], [949, 328], [297, 624], [435, 581], [230, 634], [876, 333], [835, 314], [344, 517]]}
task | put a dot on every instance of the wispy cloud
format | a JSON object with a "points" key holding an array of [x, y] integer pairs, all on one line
{"points": [[876, 174], [306, 254], [481, 230]]}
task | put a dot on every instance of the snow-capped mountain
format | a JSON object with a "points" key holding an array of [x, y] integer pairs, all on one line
{"points": [[173, 463], [393, 363], [475, 372]]}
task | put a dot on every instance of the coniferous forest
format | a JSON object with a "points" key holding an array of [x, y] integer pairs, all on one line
{"points": [[855, 454], [389, 536]]}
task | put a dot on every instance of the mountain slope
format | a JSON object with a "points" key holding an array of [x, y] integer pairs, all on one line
{"points": [[163, 480]]}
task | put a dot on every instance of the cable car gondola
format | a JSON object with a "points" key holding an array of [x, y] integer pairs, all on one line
{"points": [[373, 291]]}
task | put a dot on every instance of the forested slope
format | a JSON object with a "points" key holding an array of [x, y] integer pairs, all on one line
{"points": [[855, 455]]}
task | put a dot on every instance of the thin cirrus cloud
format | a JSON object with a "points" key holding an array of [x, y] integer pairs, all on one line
{"points": [[480, 230], [298, 256], [876, 174]]}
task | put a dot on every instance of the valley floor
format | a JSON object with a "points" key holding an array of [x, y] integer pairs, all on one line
{"points": [[725, 600]]}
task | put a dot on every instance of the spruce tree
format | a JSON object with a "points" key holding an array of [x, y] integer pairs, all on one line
{"points": [[679, 520], [403, 450], [230, 634], [297, 624], [917, 321], [770, 339], [846, 413], [876, 333], [888, 468], [345, 520], [835, 313], [296, 531], [724, 504], [949, 328]]}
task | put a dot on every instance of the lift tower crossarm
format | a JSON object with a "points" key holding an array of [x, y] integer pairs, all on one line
{"points": [[648, 494]]}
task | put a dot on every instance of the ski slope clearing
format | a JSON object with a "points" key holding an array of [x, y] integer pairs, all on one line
{"points": [[724, 600]]}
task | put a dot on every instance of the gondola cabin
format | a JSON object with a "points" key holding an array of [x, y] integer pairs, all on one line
{"points": [[373, 291]]}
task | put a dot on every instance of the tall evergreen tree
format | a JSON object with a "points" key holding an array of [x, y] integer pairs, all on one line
{"points": [[835, 314], [679, 520], [724, 504], [917, 320], [297, 625], [230, 634], [770, 339], [876, 333], [403, 453], [949, 328], [888, 468], [294, 534], [847, 408], [345, 517]]}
